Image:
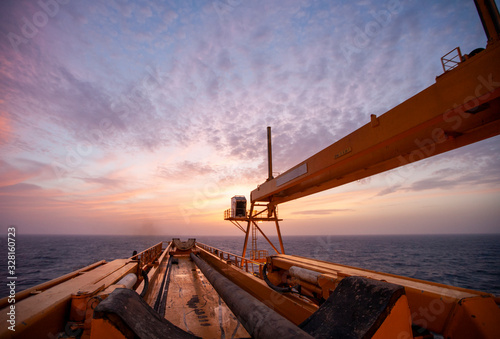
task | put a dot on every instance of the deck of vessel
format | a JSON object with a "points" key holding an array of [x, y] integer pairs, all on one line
{"points": [[193, 305]]}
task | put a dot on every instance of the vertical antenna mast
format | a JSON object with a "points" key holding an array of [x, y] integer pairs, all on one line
{"points": [[269, 154]]}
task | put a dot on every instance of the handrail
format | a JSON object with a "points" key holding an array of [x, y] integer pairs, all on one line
{"points": [[238, 260], [149, 255], [228, 215], [450, 62], [259, 254], [153, 272]]}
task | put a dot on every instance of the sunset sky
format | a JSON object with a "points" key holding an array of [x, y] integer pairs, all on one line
{"points": [[146, 117]]}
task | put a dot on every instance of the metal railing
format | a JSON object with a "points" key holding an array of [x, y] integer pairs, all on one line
{"points": [[246, 264], [228, 214], [259, 254], [451, 59], [149, 255]]}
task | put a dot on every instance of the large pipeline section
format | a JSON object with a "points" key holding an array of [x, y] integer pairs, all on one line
{"points": [[258, 319]]}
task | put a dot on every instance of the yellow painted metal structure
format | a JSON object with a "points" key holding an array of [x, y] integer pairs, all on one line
{"points": [[66, 304], [46, 310], [461, 108], [451, 311], [252, 218]]}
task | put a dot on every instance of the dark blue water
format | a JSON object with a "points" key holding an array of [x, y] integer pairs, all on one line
{"points": [[470, 261]]}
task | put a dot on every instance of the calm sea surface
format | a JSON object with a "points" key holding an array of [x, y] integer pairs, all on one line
{"points": [[470, 261]]}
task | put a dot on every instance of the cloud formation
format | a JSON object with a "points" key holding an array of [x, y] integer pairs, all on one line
{"points": [[114, 105]]}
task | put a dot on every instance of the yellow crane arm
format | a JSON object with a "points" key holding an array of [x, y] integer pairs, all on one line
{"points": [[461, 108]]}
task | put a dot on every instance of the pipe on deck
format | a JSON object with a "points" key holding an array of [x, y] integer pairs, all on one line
{"points": [[258, 319], [128, 281]]}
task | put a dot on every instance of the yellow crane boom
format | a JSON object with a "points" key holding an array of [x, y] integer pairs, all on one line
{"points": [[461, 108]]}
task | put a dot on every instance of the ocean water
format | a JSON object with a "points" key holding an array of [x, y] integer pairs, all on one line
{"points": [[470, 261]]}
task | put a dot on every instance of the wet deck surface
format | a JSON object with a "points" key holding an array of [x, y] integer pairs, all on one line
{"points": [[193, 305]]}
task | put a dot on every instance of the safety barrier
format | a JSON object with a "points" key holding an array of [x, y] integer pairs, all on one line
{"points": [[149, 255], [248, 265], [451, 59]]}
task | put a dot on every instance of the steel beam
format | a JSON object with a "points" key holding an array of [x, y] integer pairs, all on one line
{"points": [[461, 108]]}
